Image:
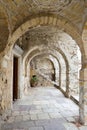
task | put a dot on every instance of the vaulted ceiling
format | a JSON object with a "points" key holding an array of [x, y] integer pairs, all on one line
{"points": [[13, 13]]}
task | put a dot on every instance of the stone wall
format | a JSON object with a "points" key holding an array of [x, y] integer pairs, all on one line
{"points": [[14, 14], [5, 83], [57, 41], [73, 56], [44, 70]]}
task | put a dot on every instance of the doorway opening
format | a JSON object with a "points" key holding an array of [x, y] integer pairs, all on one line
{"points": [[15, 78]]}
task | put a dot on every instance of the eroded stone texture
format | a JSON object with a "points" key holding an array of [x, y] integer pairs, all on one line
{"points": [[46, 38], [68, 15], [44, 69], [84, 37], [14, 13], [51, 41], [5, 90]]}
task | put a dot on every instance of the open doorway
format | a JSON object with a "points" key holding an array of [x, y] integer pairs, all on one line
{"points": [[15, 78]]}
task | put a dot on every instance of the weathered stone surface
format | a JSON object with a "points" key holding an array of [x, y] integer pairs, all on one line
{"points": [[14, 13], [46, 37], [51, 117], [38, 17]]}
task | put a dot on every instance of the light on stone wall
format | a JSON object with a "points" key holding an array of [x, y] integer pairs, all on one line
{"points": [[4, 63]]}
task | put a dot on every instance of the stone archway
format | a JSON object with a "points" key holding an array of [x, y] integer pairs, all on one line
{"points": [[83, 80], [44, 20], [56, 64], [34, 53], [44, 67], [53, 20]]}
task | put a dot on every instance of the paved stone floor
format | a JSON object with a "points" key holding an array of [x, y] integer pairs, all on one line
{"points": [[44, 108]]}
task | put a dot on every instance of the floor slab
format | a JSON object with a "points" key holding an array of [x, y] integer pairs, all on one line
{"points": [[43, 108]]}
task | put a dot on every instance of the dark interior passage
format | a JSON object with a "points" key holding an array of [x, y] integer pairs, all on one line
{"points": [[15, 78]]}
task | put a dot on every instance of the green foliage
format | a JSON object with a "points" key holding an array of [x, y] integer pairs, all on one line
{"points": [[34, 78], [34, 81]]}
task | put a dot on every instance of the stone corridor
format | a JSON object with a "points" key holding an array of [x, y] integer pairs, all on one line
{"points": [[43, 108]]}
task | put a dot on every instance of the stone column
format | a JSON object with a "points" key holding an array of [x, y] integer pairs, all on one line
{"points": [[83, 96]]}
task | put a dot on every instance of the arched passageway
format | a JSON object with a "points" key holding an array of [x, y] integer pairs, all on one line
{"points": [[22, 55]]}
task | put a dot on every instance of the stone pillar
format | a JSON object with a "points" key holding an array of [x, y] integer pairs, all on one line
{"points": [[83, 96]]}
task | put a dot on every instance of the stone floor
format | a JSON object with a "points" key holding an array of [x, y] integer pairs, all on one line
{"points": [[44, 108]]}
